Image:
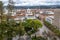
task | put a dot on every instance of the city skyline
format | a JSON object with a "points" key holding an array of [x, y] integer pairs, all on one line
{"points": [[33, 2]]}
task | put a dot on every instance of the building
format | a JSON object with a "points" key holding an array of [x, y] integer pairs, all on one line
{"points": [[23, 14], [29, 14], [45, 14], [50, 19]]}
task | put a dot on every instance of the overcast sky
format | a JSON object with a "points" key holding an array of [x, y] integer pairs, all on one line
{"points": [[33, 2]]}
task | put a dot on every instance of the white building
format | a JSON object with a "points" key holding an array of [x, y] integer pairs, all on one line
{"points": [[30, 15], [49, 12], [49, 19]]}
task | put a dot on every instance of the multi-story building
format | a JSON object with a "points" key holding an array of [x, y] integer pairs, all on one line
{"points": [[50, 19]]}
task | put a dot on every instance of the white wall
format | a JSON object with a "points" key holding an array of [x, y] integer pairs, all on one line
{"points": [[49, 19]]}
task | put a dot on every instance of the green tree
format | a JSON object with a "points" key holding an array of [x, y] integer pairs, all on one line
{"points": [[1, 11], [15, 29], [10, 22], [3, 30], [11, 32], [10, 9], [20, 29], [31, 26], [2, 22]]}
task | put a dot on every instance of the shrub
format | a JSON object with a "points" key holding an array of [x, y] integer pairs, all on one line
{"points": [[52, 28], [38, 38]]}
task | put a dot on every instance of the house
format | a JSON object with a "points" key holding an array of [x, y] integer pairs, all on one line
{"points": [[50, 19], [23, 14]]}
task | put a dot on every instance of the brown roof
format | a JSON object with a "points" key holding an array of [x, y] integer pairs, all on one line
{"points": [[22, 14]]}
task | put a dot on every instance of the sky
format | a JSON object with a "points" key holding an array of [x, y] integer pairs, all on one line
{"points": [[33, 2]]}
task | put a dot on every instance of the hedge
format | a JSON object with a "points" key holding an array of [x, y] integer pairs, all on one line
{"points": [[52, 28], [38, 38]]}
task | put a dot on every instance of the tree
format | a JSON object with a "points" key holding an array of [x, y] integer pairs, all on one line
{"points": [[2, 19], [31, 26], [10, 9], [20, 29], [1, 11], [15, 29], [11, 32], [3, 30], [11, 25]]}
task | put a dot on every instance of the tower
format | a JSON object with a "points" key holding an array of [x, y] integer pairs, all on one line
{"points": [[28, 10]]}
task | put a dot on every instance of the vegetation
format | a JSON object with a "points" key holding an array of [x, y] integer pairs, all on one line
{"points": [[9, 29], [10, 8], [12, 29], [52, 28], [10, 22], [31, 26], [1, 11], [38, 38], [2, 22]]}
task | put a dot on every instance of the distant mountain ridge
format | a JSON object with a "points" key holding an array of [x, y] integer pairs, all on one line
{"points": [[37, 7]]}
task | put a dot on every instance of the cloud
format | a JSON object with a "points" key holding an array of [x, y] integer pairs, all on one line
{"points": [[33, 2]]}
